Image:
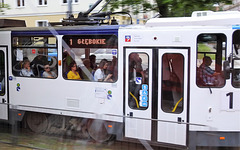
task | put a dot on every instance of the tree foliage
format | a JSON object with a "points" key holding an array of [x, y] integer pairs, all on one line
{"points": [[186, 7], [133, 6], [3, 7], [166, 8]]}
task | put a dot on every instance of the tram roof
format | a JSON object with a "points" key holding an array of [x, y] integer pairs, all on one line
{"points": [[64, 30], [225, 19]]}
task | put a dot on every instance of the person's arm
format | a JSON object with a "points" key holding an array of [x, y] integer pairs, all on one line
{"points": [[54, 74], [108, 78]]}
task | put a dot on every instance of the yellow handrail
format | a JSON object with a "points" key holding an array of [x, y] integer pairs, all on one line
{"points": [[135, 99], [174, 109]]}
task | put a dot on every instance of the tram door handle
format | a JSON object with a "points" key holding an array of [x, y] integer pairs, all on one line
{"points": [[179, 119], [130, 114], [4, 100]]}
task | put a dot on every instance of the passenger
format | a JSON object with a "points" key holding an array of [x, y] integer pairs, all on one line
{"points": [[48, 73], [206, 74], [112, 68], [135, 67], [73, 74], [67, 60], [109, 68], [21, 63], [87, 64], [135, 71], [100, 74], [39, 62], [93, 62], [19, 66], [26, 71], [64, 64]]}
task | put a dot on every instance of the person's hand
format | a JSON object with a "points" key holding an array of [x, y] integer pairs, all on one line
{"points": [[108, 77]]}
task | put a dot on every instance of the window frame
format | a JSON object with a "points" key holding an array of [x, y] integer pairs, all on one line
{"points": [[235, 71], [182, 86], [20, 4], [219, 37], [44, 3], [129, 84], [113, 47], [3, 90], [38, 21], [33, 47]]}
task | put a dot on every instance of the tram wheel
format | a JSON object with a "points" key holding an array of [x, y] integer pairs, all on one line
{"points": [[37, 122], [98, 131]]}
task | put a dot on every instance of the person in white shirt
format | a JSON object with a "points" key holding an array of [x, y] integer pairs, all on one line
{"points": [[100, 75], [26, 71]]}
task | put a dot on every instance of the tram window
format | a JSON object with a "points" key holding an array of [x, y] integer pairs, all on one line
{"points": [[236, 59], [2, 73], [172, 82], [211, 53], [34, 56], [138, 81], [95, 57]]}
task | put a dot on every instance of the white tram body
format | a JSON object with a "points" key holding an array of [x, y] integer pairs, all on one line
{"points": [[171, 106]]}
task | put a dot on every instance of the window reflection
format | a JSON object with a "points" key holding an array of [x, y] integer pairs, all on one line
{"points": [[172, 82], [236, 60], [31, 54], [2, 73], [138, 81]]}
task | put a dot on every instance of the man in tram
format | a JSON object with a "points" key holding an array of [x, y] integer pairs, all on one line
{"points": [[206, 74], [39, 62]]}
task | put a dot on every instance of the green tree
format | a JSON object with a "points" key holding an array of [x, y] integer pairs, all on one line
{"points": [[166, 8], [3, 7], [185, 7], [130, 6]]}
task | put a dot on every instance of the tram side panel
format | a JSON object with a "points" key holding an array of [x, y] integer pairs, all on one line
{"points": [[67, 97], [217, 123], [64, 97], [4, 53], [151, 42], [209, 105]]}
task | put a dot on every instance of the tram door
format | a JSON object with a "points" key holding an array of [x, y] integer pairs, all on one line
{"points": [[138, 104], [3, 84], [172, 96]]}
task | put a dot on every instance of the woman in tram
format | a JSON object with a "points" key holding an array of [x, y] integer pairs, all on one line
{"points": [[48, 73], [100, 74], [73, 74]]}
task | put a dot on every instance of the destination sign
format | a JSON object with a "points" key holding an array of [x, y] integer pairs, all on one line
{"points": [[91, 41]]}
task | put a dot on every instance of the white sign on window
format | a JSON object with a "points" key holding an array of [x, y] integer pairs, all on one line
{"points": [[19, 55]]}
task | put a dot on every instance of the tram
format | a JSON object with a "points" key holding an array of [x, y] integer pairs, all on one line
{"points": [[156, 87]]}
